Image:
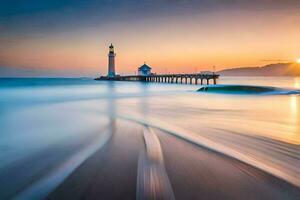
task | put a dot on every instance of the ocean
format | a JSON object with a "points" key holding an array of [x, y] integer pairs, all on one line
{"points": [[51, 126]]}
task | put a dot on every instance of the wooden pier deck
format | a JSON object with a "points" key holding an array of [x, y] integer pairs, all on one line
{"points": [[168, 78]]}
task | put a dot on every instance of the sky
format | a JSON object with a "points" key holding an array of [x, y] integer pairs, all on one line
{"points": [[71, 37]]}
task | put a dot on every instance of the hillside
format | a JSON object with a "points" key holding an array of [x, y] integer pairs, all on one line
{"points": [[279, 69]]}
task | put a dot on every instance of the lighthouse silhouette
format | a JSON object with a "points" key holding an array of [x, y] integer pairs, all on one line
{"points": [[111, 62]]}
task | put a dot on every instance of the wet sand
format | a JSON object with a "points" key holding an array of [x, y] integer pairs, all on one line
{"points": [[192, 172], [199, 173], [111, 172]]}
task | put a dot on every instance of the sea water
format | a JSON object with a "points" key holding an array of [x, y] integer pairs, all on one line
{"points": [[40, 118]]}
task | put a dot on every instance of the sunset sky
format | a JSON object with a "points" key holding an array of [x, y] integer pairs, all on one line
{"points": [[71, 38]]}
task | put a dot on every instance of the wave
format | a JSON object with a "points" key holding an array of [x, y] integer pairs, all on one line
{"points": [[247, 89], [276, 166]]}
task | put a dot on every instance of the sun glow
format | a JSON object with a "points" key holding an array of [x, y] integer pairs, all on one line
{"points": [[298, 60]]}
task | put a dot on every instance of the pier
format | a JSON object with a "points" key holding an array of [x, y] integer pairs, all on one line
{"points": [[197, 78], [145, 74]]}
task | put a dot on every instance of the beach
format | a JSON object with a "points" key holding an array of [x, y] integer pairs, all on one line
{"points": [[86, 139]]}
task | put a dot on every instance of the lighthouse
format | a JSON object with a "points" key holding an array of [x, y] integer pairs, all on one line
{"points": [[111, 62]]}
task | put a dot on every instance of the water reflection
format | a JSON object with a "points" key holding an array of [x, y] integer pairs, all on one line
{"points": [[297, 82], [111, 107], [294, 110], [143, 100]]}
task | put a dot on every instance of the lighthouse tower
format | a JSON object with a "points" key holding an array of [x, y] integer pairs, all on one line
{"points": [[111, 62]]}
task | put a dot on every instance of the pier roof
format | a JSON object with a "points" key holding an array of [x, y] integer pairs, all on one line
{"points": [[144, 66]]}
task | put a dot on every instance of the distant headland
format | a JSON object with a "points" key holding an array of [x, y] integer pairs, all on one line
{"points": [[279, 69]]}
